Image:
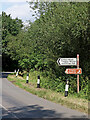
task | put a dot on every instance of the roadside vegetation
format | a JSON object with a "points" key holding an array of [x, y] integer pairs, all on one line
{"points": [[60, 30], [72, 101]]}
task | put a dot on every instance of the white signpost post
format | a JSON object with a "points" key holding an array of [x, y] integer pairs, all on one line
{"points": [[71, 62]]}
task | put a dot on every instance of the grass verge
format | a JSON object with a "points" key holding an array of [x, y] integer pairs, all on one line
{"points": [[72, 102]]}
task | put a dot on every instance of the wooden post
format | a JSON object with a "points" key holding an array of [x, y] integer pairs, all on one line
{"points": [[77, 75]]}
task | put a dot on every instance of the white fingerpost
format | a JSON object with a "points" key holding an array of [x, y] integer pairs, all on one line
{"points": [[38, 82], [27, 78], [66, 88]]}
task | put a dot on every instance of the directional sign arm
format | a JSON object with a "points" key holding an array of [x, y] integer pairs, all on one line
{"points": [[73, 71], [67, 61]]}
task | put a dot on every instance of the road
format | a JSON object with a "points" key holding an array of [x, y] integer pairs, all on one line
{"points": [[17, 103]]}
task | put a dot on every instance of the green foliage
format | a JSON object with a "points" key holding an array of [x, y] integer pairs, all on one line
{"points": [[10, 29], [60, 30], [24, 63]]}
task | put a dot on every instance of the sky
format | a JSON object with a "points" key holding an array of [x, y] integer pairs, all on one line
{"points": [[17, 8]]}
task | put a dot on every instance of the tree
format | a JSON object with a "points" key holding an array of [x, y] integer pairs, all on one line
{"points": [[10, 27], [62, 31]]}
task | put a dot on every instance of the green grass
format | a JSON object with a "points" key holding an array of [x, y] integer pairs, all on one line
{"points": [[70, 101]]}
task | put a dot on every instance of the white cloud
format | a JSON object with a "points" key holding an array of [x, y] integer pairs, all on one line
{"points": [[13, 1], [18, 0], [22, 11], [44, 0]]}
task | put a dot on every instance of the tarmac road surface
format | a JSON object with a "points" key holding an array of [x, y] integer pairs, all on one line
{"points": [[17, 103]]}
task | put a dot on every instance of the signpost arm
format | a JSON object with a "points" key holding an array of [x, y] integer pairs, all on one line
{"points": [[77, 75]]}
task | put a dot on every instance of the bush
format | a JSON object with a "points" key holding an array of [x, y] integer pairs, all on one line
{"points": [[49, 81]]}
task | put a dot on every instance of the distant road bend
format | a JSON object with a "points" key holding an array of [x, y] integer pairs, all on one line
{"points": [[17, 103]]}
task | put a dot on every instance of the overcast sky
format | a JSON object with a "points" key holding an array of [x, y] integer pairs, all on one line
{"points": [[17, 8]]}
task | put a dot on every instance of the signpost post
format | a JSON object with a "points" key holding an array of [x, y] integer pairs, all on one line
{"points": [[77, 75]]}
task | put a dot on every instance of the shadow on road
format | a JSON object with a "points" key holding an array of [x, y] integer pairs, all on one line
{"points": [[35, 112]]}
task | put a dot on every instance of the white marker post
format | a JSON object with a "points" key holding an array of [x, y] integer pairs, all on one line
{"points": [[27, 78], [16, 73], [66, 88], [77, 75], [38, 82]]}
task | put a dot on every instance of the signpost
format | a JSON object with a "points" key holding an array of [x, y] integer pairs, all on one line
{"points": [[71, 62]]}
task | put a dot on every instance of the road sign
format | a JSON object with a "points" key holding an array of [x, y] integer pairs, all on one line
{"points": [[67, 61], [74, 71]]}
